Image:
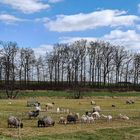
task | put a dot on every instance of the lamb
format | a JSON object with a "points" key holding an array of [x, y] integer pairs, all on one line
{"points": [[46, 121], [14, 122], [96, 109], [62, 120], [108, 117], [87, 119], [124, 117]]}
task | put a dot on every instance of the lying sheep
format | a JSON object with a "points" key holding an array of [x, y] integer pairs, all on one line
{"points": [[33, 114], [45, 121], [124, 117], [130, 102], [14, 122], [93, 103], [96, 109]]}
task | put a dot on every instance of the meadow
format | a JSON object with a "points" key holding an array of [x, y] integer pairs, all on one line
{"points": [[99, 130]]}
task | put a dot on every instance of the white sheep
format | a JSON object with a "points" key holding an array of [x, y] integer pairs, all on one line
{"points": [[93, 102], [87, 119], [124, 117], [108, 117], [58, 110], [96, 115], [90, 119], [83, 119], [50, 105], [62, 120]]}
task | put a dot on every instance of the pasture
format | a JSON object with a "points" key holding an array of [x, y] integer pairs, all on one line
{"points": [[101, 129]]}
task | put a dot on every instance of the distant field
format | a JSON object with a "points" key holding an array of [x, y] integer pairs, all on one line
{"points": [[69, 94], [100, 130]]}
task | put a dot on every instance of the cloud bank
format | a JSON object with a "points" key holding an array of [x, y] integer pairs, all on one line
{"points": [[82, 22]]}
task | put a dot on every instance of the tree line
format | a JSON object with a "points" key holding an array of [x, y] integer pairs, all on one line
{"points": [[94, 64]]}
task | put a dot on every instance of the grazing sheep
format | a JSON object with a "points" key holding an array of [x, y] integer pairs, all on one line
{"points": [[108, 117], [72, 118], [96, 109], [96, 115], [62, 120], [14, 122], [93, 103], [124, 117], [50, 105], [46, 121], [33, 114]]}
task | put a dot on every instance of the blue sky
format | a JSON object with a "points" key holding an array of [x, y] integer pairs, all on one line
{"points": [[40, 23]]}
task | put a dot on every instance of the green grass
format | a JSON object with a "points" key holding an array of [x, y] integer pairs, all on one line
{"points": [[100, 130], [69, 94], [127, 133]]}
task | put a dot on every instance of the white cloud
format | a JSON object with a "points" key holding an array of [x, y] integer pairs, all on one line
{"points": [[54, 1], [129, 39], [81, 22], [42, 49], [26, 6], [9, 19]]}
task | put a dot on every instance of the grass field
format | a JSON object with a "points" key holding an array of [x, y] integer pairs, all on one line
{"points": [[100, 130], [69, 94]]}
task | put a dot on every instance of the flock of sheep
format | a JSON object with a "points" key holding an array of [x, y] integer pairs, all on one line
{"points": [[87, 117]]}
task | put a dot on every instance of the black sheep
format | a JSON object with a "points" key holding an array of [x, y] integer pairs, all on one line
{"points": [[72, 118]]}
